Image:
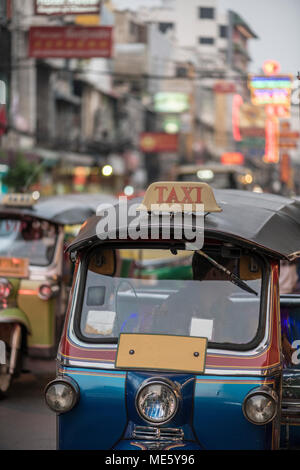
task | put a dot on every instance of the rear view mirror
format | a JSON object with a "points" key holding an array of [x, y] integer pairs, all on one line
{"points": [[249, 269], [103, 262]]}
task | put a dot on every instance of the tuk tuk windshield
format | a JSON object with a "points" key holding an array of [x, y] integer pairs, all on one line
{"points": [[157, 292], [31, 238], [216, 180]]}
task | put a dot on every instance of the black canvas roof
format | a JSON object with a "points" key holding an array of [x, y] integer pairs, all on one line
{"points": [[67, 209], [268, 222]]}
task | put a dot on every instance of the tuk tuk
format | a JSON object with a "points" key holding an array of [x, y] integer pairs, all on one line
{"points": [[217, 175], [181, 363], [35, 275]]}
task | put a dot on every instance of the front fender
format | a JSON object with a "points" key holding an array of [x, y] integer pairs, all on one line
{"points": [[15, 315]]}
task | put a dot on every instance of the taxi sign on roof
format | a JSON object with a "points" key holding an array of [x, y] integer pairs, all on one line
{"points": [[180, 197], [18, 200]]}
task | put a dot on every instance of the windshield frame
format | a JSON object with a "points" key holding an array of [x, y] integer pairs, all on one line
{"points": [[78, 304], [31, 219]]}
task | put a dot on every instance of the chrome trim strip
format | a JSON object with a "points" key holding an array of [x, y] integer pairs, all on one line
{"points": [[218, 372]]}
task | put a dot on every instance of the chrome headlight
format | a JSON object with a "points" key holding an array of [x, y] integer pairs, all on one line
{"points": [[260, 405], [47, 291], [157, 401], [61, 395]]}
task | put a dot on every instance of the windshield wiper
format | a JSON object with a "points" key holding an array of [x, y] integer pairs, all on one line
{"points": [[232, 277]]}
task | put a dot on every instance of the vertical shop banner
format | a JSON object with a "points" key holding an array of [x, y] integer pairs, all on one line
{"points": [[220, 134], [3, 116], [285, 168], [66, 7], [272, 141], [70, 41]]}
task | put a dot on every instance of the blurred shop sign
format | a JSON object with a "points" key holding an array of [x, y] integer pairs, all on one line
{"points": [[87, 20], [3, 116], [186, 123], [287, 145], [271, 67], [66, 7], [253, 143], [272, 141], [232, 158], [70, 41], [151, 142], [171, 102], [3, 119], [279, 110], [224, 87], [5, 11], [271, 90], [285, 168], [251, 117], [253, 132], [3, 171], [171, 125], [288, 138], [2, 92]]}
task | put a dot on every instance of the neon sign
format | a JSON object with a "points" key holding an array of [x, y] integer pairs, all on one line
{"points": [[232, 158], [271, 90], [236, 104], [272, 137], [271, 67]]}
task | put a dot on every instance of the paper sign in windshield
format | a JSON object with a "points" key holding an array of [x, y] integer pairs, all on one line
{"points": [[14, 267], [100, 322], [202, 327]]}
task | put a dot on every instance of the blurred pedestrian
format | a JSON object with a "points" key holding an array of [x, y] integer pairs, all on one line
{"points": [[288, 279]]}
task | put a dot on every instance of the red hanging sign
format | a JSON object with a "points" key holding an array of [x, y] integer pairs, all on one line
{"points": [[272, 135], [151, 142], [70, 41]]}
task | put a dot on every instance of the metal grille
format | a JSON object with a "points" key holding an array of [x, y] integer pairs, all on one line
{"points": [[153, 433], [290, 412]]}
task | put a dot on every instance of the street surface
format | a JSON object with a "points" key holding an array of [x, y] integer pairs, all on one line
{"points": [[26, 421]]}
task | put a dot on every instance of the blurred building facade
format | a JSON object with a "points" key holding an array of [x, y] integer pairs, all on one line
{"points": [[180, 69]]}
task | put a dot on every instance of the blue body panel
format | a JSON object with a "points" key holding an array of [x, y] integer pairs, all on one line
{"points": [[219, 421], [210, 413], [99, 419]]}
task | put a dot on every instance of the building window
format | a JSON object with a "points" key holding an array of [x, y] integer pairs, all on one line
{"points": [[133, 28], [223, 31], [181, 71], [206, 40], [164, 27], [206, 13]]}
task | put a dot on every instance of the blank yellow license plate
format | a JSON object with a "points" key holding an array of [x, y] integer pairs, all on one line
{"points": [[161, 352], [14, 267]]}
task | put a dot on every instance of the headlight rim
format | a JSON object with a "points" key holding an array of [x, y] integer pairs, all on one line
{"points": [[158, 381], [267, 392], [65, 381]]}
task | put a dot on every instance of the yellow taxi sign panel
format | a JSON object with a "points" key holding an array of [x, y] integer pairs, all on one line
{"points": [[180, 197], [18, 200]]}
